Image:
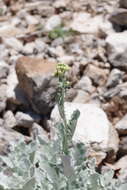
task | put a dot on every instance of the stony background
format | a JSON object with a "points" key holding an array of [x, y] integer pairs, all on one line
{"points": [[91, 37]]}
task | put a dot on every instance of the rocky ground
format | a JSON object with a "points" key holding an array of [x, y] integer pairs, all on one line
{"points": [[88, 35]]}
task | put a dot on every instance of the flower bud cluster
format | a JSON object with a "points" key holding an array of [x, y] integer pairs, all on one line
{"points": [[61, 69]]}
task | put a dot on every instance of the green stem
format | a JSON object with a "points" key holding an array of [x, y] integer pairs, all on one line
{"points": [[65, 142]]}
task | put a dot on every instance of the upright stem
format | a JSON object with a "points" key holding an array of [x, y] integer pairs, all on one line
{"points": [[60, 73], [65, 143]]}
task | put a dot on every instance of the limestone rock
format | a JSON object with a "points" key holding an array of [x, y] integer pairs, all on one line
{"points": [[119, 17], [31, 20], [37, 81], [9, 119], [123, 3], [70, 94], [62, 3], [121, 166], [95, 99], [82, 23], [4, 52], [120, 91], [81, 97], [121, 126], [1, 122], [12, 82], [91, 119], [43, 8], [9, 31], [85, 23], [67, 59], [3, 97], [7, 136], [14, 94], [113, 144], [96, 74], [99, 155], [40, 46], [114, 78], [4, 69], [13, 43], [123, 145], [85, 84], [26, 119], [53, 22], [37, 130], [28, 48], [46, 11], [56, 52], [116, 49]]}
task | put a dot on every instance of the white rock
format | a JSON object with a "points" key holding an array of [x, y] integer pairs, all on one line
{"points": [[37, 130], [57, 42], [121, 126], [13, 43], [105, 28], [46, 10], [3, 97], [4, 52], [53, 22], [76, 48], [24, 120], [92, 126], [113, 144], [3, 9], [31, 20], [1, 122], [84, 23], [3, 92], [13, 52], [60, 3], [80, 22], [58, 51], [9, 119], [12, 82], [9, 31], [22, 14], [85, 84], [40, 45], [29, 48], [66, 59], [2, 106], [81, 97], [116, 49], [114, 78], [7, 136], [15, 21], [14, 57], [121, 166], [4, 69], [95, 99]]}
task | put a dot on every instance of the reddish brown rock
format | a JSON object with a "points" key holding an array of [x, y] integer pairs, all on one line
{"points": [[97, 75], [37, 81]]}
